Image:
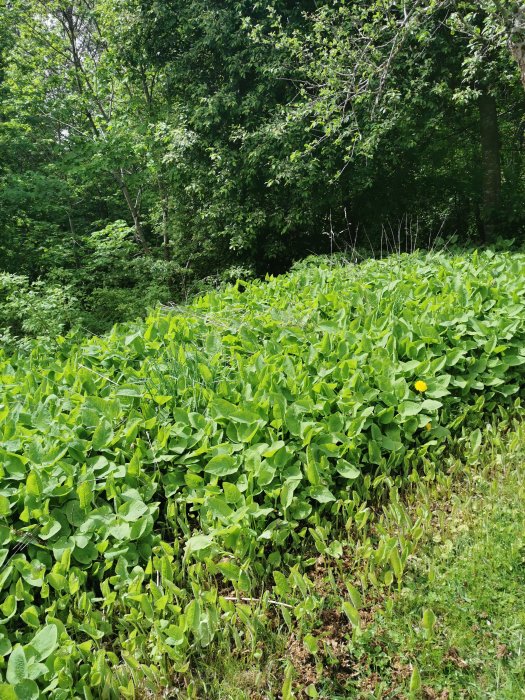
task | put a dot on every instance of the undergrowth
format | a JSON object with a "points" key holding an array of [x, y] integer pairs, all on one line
{"points": [[205, 482]]}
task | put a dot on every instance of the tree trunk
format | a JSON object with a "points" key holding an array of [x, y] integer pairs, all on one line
{"points": [[165, 207], [518, 51], [490, 164], [516, 30], [139, 232], [165, 231], [66, 17]]}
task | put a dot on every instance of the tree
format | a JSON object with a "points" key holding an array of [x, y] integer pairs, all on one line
{"points": [[370, 72], [146, 146], [512, 15]]}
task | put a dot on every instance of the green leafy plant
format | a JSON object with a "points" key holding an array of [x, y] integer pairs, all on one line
{"points": [[153, 478]]}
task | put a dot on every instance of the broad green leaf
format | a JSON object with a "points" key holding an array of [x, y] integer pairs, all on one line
{"points": [[311, 469], [85, 494], [13, 464], [300, 509], [219, 508], [355, 596], [8, 607], [286, 691], [475, 440], [415, 681], [30, 614], [221, 465], [351, 613], [49, 529], [132, 510], [27, 690], [396, 563], [231, 492], [5, 645], [16, 666], [5, 506], [310, 643], [7, 692], [161, 399], [44, 642], [198, 542], [409, 408], [321, 494], [282, 585], [193, 616], [33, 484], [287, 492], [347, 470], [429, 620], [102, 436], [229, 570], [431, 405]]}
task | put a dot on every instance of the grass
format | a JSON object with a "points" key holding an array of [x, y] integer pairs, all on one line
{"points": [[471, 574], [458, 615]]}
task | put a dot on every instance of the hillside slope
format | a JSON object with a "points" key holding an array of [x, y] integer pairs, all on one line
{"points": [[152, 476]]}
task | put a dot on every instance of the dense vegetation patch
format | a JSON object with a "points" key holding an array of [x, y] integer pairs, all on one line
{"points": [[150, 148], [152, 476]]}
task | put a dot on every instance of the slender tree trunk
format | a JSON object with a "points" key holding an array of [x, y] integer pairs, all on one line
{"points": [[164, 199], [139, 231], [165, 208], [66, 17], [516, 30], [518, 51], [165, 231], [490, 164]]}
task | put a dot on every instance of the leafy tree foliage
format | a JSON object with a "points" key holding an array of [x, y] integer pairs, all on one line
{"points": [[148, 148]]}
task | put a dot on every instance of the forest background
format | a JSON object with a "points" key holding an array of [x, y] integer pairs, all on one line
{"points": [[150, 149]]}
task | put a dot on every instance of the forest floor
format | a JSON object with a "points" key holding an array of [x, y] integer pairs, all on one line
{"points": [[454, 627]]}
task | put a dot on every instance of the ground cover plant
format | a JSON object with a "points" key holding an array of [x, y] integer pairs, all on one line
{"points": [[452, 629], [167, 489]]}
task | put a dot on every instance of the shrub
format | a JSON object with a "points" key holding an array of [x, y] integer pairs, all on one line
{"points": [[33, 310]]}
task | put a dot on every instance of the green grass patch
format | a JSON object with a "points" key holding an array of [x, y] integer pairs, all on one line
{"points": [[469, 585]]}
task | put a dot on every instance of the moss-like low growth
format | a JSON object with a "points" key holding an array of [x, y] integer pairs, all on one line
{"points": [[154, 478]]}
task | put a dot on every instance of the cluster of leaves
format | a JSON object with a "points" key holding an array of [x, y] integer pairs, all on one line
{"points": [[35, 309], [146, 473]]}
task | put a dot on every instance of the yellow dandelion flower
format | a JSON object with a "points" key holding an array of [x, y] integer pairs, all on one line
{"points": [[420, 385]]}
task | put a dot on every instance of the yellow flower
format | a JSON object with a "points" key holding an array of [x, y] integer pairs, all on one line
{"points": [[428, 426], [420, 385]]}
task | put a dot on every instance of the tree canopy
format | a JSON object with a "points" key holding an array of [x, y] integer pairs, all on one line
{"points": [[148, 148]]}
